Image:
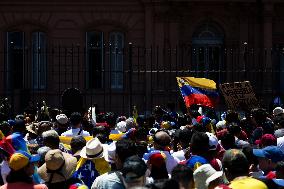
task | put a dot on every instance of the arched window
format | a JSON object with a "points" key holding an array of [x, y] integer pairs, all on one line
{"points": [[116, 62], [207, 54]]}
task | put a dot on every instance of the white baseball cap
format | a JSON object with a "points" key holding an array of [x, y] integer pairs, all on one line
{"points": [[213, 141]]}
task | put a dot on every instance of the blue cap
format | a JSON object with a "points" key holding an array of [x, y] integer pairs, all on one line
{"points": [[279, 182], [270, 152]]}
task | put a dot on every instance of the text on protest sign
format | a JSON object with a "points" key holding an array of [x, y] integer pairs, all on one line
{"points": [[239, 95]]}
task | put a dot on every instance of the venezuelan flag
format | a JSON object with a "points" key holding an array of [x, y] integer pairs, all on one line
{"points": [[199, 91]]}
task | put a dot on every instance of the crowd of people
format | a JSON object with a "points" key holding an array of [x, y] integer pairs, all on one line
{"points": [[195, 150]]}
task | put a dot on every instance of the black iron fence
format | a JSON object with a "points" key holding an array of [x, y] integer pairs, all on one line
{"points": [[118, 78]]}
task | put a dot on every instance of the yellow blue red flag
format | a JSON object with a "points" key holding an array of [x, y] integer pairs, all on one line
{"points": [[200, 91]]}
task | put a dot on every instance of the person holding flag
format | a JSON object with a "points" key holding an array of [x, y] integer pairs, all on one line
{"points": [[199, 91]]}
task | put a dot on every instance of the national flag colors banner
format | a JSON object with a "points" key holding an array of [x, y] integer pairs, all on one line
{"points": [[200, 91]]}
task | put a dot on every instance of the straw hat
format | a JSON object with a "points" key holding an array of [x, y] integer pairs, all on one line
{"points": [[93, 149], [58, 163]]}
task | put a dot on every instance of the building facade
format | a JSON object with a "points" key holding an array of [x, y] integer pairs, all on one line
{"points": [[124, 53]]}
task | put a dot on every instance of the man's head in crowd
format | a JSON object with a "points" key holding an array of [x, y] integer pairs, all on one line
{"points": [[252, 159], [184, 176], [101, 132], [258, 116], [124, 149], [76, 119], [234, 129], [51, 139], [199, 144], [161, 140], [268, 157], [77, 144], [232, 117], [19, 126], [130, 123], [42, 152], [235, 164], [164, 184], [184, 138], [61, 122], [228, 141], [43, 126], [133, 172], [141, 134]]}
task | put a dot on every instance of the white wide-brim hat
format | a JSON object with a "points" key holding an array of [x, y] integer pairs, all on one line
{"points": [[93, 149]]}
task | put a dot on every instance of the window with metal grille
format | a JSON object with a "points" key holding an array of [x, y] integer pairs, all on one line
{"points": [[39, 60], [15, 60], [104, 59], [95, 59], [116, 61]]}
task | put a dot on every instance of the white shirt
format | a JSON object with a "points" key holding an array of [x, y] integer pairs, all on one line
{"points": [[74, 132], [179, 155], [108, 180]]}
